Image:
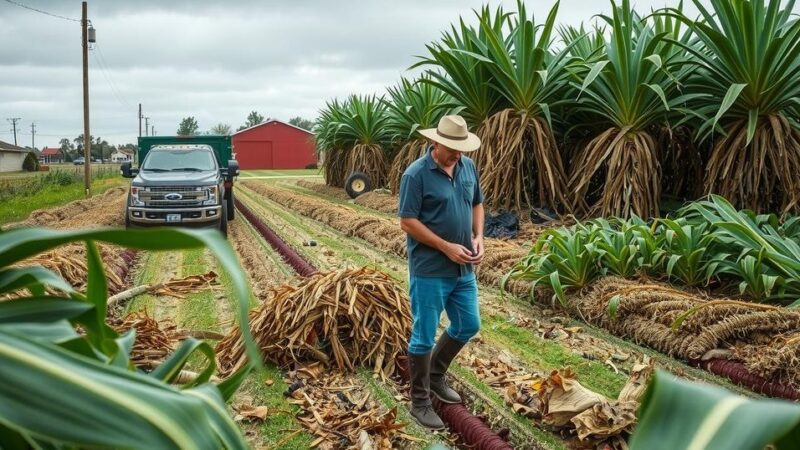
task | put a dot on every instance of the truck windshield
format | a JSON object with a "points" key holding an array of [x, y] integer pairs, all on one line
{"points": [[190, 160]]}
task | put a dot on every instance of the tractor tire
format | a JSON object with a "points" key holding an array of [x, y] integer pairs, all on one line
{"points": [[231, 206], [357, 183]]}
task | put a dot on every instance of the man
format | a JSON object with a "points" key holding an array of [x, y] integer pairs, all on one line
{"points": [[441, 210]]}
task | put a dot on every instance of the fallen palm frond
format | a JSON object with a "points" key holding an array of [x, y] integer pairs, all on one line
{"points": [[176, 287], [347, 318], [341, 412]]}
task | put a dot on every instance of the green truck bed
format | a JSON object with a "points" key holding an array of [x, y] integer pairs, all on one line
{"points": [[220, 144]]}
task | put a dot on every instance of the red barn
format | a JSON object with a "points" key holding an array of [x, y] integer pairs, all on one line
{"points": [[274, 145]]}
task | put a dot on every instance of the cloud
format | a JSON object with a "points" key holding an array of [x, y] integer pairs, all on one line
{"points": [[216, 61]]}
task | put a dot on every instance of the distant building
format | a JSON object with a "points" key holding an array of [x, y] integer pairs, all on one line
{"points": [[11, 157], [51, 155], [274, 145], [122, 155]]}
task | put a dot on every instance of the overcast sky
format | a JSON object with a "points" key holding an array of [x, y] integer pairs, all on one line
{"points": [[216, 61]]}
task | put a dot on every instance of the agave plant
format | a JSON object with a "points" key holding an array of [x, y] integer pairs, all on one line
{"points": [[617, 246], [355, 136], [330, 144], [750, 60], [49, 370], [414, 105], [561, 259], [627, 92], [512, 55]]}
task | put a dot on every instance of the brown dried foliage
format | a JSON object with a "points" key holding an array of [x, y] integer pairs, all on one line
{"points": [[346, 318], [334, 167], [778, 359], [628, 162], [378, 201], [519, 152], [646, 313], [760, 175], [154, 340], [324, 189], [369, 159], [101, 210], [69, 262], [408, 153]]}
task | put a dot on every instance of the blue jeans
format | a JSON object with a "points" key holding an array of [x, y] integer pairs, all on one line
{"points": [[429, 297]]}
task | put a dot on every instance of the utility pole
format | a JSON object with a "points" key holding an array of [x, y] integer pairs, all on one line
{"points": [[33, 135], [146, 126], [14, 121], [152, 130], [140, 120], [87, 140]]}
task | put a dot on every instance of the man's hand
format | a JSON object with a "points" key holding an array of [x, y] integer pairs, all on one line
{"points": [[477, 245], [457, 253]]}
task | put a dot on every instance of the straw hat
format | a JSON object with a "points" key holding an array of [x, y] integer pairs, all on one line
{"points": [[452, 132]]}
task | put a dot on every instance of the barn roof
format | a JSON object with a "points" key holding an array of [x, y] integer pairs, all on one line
{"points": [[5, 146], [50, 151], [273, 121]]}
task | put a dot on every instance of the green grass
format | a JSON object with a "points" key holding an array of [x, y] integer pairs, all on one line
{"points": [[281, 422], [198, 311], [151, 264], [18, 208], [69, 167], [549, 355]]}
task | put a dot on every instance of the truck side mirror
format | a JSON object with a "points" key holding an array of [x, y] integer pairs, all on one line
{"points": [[126, 171], [233, 169]]}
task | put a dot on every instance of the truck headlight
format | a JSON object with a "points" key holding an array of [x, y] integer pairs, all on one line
{"points": [[213, 195], [135, 196]]}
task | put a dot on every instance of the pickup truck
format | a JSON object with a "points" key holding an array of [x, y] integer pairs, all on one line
{"points": [[181, 180]]}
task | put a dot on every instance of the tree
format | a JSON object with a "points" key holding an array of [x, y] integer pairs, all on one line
{"points": [[253, 119], [222, 129], [301, 123], [67, 149], [188, 126], [79, 144], [31, 162]]}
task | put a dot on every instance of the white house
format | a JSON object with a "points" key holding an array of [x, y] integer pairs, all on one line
{"points": [[121, 156], [11, 157]]}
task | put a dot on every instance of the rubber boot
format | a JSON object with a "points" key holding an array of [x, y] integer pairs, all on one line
{"points": [[421, 406], [446, 349]]}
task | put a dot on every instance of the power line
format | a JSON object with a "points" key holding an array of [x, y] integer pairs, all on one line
{"points": [[104, 69], [42, 12]]}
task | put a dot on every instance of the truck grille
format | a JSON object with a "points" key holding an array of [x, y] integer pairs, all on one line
{"points": [[157, 197]]}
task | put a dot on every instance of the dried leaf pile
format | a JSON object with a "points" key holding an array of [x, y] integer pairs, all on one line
{"points": [[560, 402], [341, 413], [69, 262], [154, 340], [346, 318]]}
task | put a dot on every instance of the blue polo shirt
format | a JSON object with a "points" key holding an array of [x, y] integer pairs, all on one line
{"points": [[444, 205]]}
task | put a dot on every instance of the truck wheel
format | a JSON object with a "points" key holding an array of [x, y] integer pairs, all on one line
{"points": [[231, 206], [223, 220], [357, 183]]}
